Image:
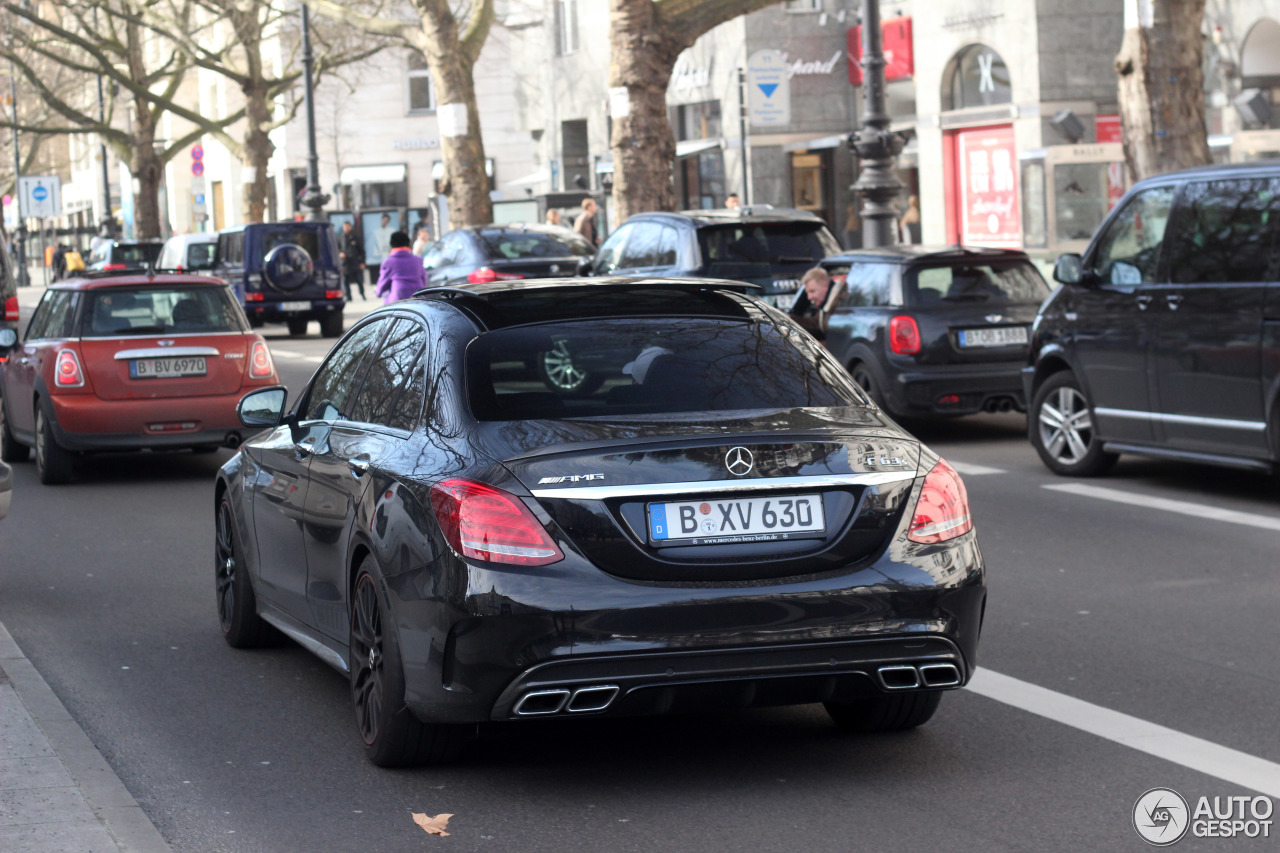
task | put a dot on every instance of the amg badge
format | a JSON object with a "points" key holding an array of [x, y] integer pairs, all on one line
{"points": [[569, 478]]}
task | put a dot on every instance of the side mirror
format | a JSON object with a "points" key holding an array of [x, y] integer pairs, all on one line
{"points": [[584, 266], [263, 408], [1068, 269], [8, 339]]}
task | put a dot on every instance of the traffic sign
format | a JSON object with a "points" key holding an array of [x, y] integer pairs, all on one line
{"points": [[197, 152], [40, 195], [768, 89], [197, 167]]}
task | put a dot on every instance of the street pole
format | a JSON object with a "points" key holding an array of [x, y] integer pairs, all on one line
{"points": [[877, 147], [312, 197], [742, 132], [19, 233], [107, 221]]}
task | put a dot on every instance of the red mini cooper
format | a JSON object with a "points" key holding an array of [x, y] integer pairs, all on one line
{"points": [[128, 363]]}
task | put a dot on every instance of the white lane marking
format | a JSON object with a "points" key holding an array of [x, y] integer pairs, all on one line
{"points": [[287, 353], [1209, 758], [1168, 505], [968, 469]]}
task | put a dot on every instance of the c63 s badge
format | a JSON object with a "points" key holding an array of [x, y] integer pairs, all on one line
{"points": [[570, 478]]}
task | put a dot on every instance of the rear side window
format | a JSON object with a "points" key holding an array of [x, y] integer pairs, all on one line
{"points": [[54, 316], [625, 366], [996, 284], [231, 248], [516, 243], [200, 256], [332, 389], [1226, 231], [771, 243], [160, 311], [135, 254]]}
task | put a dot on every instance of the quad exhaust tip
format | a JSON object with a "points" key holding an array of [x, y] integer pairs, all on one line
{"points": [[909, 677], [544, 703]]}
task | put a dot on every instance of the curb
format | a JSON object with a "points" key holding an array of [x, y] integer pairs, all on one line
{"points": [[69, 825]]}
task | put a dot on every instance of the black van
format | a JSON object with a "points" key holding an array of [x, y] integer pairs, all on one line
{"points": [[284, 272], [1164, 338]]}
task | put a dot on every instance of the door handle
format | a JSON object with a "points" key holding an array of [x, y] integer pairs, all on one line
{"points": [[359, 465], [306, 447], [1173, 300], [1143, 301]]}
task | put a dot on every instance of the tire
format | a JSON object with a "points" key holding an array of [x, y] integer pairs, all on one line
{"points": [[242, 627], [331, 325], [53, 462], [297, 326], [1062, 430], [891, 713], [392, 735], [862, 375], [10, 449], [557, 371]]}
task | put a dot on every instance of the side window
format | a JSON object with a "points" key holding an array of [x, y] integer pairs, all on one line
{"points": [[1129, 251], [642, 249], [331, 392], [868, 285], [391, 393], [611, 251], [433, 256], [53, 316], [667, 247], [1226, 231]]}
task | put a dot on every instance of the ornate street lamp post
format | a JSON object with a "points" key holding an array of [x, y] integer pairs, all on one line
{"points": [[312, 197], [877, 147]]}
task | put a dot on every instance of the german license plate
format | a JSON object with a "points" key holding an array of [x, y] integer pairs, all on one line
{"points": [[1001, 336], [295, 306], [164, 368], [737, 520]]}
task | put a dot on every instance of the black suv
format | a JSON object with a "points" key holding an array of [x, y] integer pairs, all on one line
{"points": [[768, 246], [935, 331], [284, 272], [1164, 339]]}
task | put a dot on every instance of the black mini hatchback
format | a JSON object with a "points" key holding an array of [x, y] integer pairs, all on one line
{"points": [[725, 521]]}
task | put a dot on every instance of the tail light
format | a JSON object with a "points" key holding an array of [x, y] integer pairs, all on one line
{"points": [[484, 275], [253, 297], [115, 267], [66, 370], [11, 309], [333, 294], [942, 512], [260, 366], [904, 335], [485, 523]]}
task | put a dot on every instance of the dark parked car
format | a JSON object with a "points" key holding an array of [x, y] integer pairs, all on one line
{"points": [[487, 253], [771, 247], [727, 521], [1164, 339], [117, 256], [939, 331], [284, 272]]}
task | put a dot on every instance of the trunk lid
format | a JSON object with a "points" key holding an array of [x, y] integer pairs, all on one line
{"points": [[120, 368]]}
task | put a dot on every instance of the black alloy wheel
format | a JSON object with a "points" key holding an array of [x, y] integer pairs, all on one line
{"points": [[53, 462], [890, 713], [242, 627], [1063, 431], [862, 375], [392, 735], [10, 449], [331, 325]]}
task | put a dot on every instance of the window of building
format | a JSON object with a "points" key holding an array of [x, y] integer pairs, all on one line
{"points": [[422, 92], [566, 27], [804, 5], [978, 77]]}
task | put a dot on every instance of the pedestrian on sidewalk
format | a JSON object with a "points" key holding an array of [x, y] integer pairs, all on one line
{"points": [[402, 273], [351, 255], [586, 223]]}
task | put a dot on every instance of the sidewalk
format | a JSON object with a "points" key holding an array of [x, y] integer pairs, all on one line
{"points": [[57, 792]]}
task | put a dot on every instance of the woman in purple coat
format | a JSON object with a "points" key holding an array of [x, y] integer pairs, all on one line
{"points": [[402, 274]]}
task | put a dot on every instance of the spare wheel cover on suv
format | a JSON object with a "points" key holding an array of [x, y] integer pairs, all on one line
{"points": [[288, 267]]}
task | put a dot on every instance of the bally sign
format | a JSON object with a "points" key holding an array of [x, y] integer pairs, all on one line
{"points": [[986, 163], [899, 56]]}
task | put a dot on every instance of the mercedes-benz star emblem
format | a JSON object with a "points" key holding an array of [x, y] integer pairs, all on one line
{"points": [[993, 318], [739, 461]]}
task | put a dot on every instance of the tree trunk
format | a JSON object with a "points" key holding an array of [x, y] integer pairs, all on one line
{"points": [[644, 148], [146, 168], [258, 149], [1161, 88], [466, 183]]}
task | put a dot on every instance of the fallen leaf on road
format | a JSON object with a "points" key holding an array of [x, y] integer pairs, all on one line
{"points": [[432, 825]]}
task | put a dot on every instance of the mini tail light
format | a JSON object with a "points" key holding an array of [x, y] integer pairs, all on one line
{"points": [[253, 297], [484, 523], [942, 512], [904, 335], [11, 309], [66, 370], [260, 366], [484, 275], [333, 294], [115, 266]]}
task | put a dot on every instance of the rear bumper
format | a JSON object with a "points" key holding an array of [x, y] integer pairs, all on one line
{"points": [[85, 422], [271, 312], [920, 391]]}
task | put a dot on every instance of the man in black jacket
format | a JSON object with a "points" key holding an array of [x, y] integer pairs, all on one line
{"points": [[351, 254]]}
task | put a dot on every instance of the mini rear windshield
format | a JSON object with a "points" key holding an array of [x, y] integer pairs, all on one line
{"points": [[619, 367], [773, 243], [307, 238], [514, 243], [160, 311], [1016, 283]]}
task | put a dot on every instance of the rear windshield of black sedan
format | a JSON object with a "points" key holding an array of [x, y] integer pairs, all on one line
{"points": [[1015, 283], [118, 312], [616, 366]]}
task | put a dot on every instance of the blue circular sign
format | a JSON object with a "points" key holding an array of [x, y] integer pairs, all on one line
{"points": [[39, 193]]}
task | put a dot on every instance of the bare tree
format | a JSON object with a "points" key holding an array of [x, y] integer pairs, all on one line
{"points": [[449, 35], [1161, 89], [646, 37]]}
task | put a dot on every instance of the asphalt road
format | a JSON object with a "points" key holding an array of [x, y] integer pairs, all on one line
{"points": [[1142, 600]]}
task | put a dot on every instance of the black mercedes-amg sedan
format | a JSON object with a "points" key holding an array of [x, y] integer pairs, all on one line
{"points": [[725, 520]]}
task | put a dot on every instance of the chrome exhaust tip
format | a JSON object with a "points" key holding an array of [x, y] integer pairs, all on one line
{"points": [[940, 675], [541, 703], [595, 698], [898, 677]]}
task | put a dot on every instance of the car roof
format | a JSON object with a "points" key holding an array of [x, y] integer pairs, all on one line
{"points": [[537, 227], [1216, 170], [911, 253], [290, 223], [103, 282], [735, 216]]}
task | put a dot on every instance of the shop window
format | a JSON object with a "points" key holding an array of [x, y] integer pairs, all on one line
{"points": [[698, 121], [1035, 210], [977, 77], [422, 92]]}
